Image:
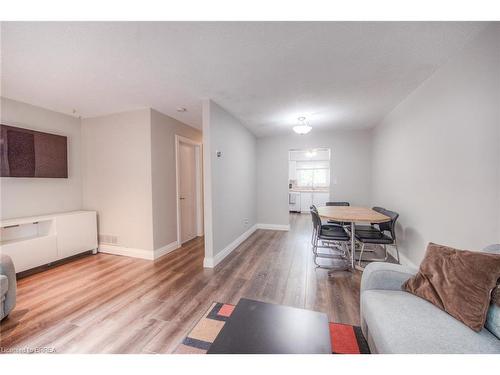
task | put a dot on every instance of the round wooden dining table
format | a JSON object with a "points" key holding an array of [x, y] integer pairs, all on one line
{"points": [[353, 215]]}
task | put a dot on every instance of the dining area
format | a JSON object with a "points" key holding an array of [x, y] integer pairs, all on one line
{"points": [[351, 236]]}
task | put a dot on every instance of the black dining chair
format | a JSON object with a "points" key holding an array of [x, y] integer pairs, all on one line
{"points": [[329, 224], [325, 226], [331, 237], [378, 234], [339, 204], [373, 227]]}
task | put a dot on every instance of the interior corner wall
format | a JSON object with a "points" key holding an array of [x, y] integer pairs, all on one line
{"points": [[230, 198], [117, 176], [436, 156], [164, 199], [37, 196], [350, 175]]}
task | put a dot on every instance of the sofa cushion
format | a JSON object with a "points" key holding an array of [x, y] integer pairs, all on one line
{"points": [[7, 269], [457, 281], [493, 317], [493, 320], [4, 285], [399, 322]]}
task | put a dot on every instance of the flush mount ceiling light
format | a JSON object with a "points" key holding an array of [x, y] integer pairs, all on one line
{"points": [[181, 109], [303, 127]]}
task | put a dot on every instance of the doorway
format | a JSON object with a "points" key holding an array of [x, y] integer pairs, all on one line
{"points": [[189, 189], [308, 178]]}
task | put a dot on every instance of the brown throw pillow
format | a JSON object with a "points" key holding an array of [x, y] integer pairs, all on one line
{"points": [[459, 282]]}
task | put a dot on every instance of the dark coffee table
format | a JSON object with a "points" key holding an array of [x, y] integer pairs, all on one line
{"points": [[263, 328]]}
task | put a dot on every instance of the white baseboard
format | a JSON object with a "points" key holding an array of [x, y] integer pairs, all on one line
{"points": [[208, 262], [213, 261], [138, 253], [164, 250], [274, 226], [126, 251]]}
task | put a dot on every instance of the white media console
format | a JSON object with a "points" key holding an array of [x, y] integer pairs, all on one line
{"points": [[39, 240]]}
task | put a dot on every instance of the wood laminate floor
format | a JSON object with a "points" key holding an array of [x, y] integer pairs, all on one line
{"points": [[112, 304]]}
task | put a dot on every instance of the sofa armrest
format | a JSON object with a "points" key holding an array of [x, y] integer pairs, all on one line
{"points": [[385, 276], [7, 269]]}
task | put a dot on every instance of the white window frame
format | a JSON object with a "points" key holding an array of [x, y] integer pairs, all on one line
{"points": [[313, 187]]}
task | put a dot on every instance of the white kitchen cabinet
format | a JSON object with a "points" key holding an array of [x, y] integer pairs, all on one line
{"points": [[306, 200], [293, 201], [320, 199]]}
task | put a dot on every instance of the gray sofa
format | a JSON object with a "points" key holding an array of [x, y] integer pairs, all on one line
{"points": [[394, 321], [7, 286]]}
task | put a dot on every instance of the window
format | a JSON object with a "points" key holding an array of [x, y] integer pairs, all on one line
{"points": [[313, 174]]}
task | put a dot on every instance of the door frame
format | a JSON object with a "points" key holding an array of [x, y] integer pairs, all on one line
{"points": [[199, 184]]}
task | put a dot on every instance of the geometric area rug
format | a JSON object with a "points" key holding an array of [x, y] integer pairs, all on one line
{"points": [[345, 339]]}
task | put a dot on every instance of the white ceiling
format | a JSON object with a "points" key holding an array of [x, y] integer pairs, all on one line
{"points": [[337, 74]]}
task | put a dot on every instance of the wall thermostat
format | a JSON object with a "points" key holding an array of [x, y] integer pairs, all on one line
{"points": [[219, 154]]}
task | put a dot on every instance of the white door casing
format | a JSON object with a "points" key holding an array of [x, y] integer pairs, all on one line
{"points": [[189, 189]]}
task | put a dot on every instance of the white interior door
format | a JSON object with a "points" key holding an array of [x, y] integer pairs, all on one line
{"points": [[187, 191]]}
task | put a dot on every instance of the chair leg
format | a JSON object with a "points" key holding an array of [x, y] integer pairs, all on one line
{"points": [[316, 262], [315, 251], [386, 256], [342, 246], [367, 250], [361, 254], [315, 246], [397, 252]]}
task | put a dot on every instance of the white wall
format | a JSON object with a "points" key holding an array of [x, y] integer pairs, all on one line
{"points": [[36, 196], [350, 174], [437, 155], [163, 131], [231, 179], [117, 176]]}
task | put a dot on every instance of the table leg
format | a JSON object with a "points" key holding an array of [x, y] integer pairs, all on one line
{"points": [[353, 244]]}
